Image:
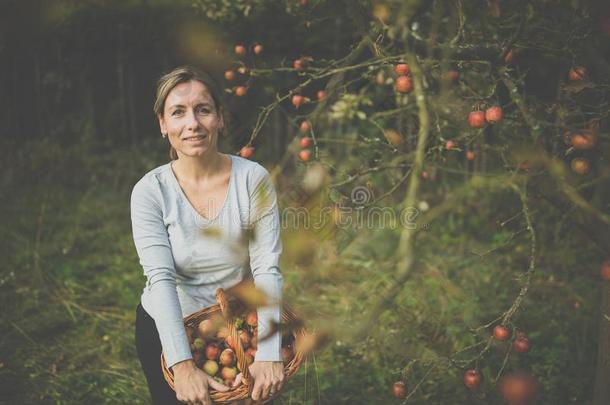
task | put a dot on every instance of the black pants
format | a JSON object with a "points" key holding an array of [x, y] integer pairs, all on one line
{"points": [[148, 346]]}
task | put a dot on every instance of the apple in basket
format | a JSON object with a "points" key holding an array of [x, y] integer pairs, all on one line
{"points": [[199, 344], [227, 358], [207, 329], [252, 318], [228, 373], [210, 367], [245, 338], [212, 351]]}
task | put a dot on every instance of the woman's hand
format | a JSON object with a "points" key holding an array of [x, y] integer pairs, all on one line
{"points": [[192, 384], [268, 378]]}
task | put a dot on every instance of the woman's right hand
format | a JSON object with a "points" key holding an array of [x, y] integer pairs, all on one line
{"points": [[192, 384]]}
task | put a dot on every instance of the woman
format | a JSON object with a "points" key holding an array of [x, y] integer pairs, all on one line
{"points": [[188, 219]]}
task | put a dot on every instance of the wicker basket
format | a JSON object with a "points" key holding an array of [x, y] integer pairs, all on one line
{"points": [[229, 307]]}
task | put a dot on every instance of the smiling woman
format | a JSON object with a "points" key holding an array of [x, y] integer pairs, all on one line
{"points": [[202, 188]]}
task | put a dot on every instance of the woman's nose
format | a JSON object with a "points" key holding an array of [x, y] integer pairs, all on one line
{"points": [[192, 121]]}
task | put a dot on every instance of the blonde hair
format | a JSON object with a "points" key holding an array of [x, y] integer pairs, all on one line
{"points": [[184, 74]]}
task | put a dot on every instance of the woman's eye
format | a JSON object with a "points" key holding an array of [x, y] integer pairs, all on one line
{"points": [[204, 110], [177, 112]]}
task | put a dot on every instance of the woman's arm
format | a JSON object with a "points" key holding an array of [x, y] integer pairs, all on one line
{"points": [[154, 250]]}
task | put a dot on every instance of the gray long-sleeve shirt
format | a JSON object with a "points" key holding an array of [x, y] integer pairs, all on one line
{"points": [[186, 257]]}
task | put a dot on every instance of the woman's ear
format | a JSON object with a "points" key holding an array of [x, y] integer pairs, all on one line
{"points": [[162, 124]]}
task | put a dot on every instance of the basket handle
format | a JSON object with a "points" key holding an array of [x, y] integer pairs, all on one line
{"points": [[221, 297]]}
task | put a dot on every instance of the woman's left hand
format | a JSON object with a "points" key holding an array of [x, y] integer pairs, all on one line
{"points": [[268, 378]]}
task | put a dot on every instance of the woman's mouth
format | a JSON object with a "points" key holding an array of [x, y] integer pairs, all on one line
{"points": [[195, 139]]}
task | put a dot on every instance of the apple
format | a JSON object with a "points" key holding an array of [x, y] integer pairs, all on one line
{"points": [[519, 388], [452, 75], [240, 50], [493, 114], [404, 84], [210, 367], [399, 389], [578, 304], [521, 344], [227, 357], [305, 127], [584, 139], [241, 91], [472, 379], [298, 64], [321, 95], [199, 344], [577, 73], [450, 144], [469, 155], [508, 58], [206, 329], [252, 318], [393, 137], [297, 100], [306, 142], [402, 69], [305, 155], [501, 333], [212, 351], [425, 175], [476, 119], [605, 270], [287, 354], [580, 165], [245, 152], [258, 49], [228, 373], [229, 75]]}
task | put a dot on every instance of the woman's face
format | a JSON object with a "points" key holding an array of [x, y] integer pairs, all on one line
{"points": [[191, 120]]}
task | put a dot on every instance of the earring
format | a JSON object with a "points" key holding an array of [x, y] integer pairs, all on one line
{"points": [[163, 134]]}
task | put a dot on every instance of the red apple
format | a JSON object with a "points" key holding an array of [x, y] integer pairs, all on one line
{"points": [[241, 91], [493, 114], [229, 75], [501, 333], [402, 69], [577, 73], [605, 270], [321, 95], [521, 344], [240, 50], [212, 351], [508, 58], [584, 139], [252, 318], [245, 152], [425, 175], [404, 84], [453, 75], [305, 155], [469, 155], [297, 100], [306, 142], [519, 388], [472, 379], [450, 144], [258, 49], [476, 119], [399, 389], [298, 64], [305, 127]]}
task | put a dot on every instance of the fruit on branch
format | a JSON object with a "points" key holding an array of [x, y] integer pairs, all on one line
{"points": [[257, 49], [242, 70], [472, 379], [399, 389], [402, 69], [321, 95], [584, 139], [297, 100], [476, 119], [247, 152], [519, 388], [240, 50], [305, 155], [404, 84], [393, 137], [577, 73], [306, 142], [493, 114], [425, 175], [452, 75], [241, 91], [469, 155], [229, 75], [305, 126], [508, 58], [501, 333], [521, 344], [450, 144], [580, 165]]}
